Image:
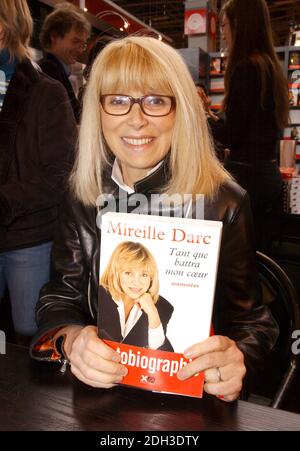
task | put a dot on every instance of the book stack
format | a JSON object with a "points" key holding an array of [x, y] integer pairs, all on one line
{"points": [[291, 192], [295, 195]]}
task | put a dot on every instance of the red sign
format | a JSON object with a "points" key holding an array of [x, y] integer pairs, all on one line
{"points": [[195, 21], [213, 24]]}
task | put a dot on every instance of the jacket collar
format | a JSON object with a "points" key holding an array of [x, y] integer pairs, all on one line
{"points": [[64, 66], [152, 183]]}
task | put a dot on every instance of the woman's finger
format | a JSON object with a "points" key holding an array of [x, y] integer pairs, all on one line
{"points": [[211, 344], [96, 383]]}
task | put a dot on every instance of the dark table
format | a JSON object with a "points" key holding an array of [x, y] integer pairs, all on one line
{"points": [[35, 396]]}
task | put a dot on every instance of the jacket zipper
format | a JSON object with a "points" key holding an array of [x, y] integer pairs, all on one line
{"points": [[89, 296]]}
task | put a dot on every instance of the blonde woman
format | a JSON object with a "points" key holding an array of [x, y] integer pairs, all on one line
{"points": [[141, 134], [37, 141], [130, 308]]}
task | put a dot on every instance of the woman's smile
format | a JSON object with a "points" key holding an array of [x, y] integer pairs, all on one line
{"points": [[138, 145]]}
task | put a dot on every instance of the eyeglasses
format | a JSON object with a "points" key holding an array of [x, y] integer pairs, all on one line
{"points": [[80, 44], [152, 105]]}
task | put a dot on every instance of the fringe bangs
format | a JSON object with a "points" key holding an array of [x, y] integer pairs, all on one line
{"points": [[148, 76]]}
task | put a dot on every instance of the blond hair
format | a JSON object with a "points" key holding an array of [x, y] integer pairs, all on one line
{"points": [[17, 26], [129, 255], [147, 65]]}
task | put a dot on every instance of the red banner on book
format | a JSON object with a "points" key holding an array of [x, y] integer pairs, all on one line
{"points": [[156, 370]]}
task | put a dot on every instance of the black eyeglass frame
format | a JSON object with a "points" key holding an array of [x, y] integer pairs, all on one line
{"points": [[138, 100]]}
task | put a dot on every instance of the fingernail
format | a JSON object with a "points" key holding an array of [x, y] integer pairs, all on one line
{"points": [[116, 357], [124, 371], [188, 354], [181, 375]]}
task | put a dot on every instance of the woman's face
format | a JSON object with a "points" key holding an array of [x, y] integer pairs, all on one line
{"points": [[135, 282], [138, 141], [226, 31]]}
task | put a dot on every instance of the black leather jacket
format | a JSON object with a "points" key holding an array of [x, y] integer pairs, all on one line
{"points": [[71, 296]]}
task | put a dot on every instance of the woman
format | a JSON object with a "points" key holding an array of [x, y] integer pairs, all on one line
{"points": [[141, 134], [37, 141], [130, 308], [256, 106]]}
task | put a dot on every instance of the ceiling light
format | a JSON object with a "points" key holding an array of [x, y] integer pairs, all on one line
{"points": [[102, 14]]}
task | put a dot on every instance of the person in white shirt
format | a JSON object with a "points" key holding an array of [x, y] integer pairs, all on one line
{"points": [[131, 309]]}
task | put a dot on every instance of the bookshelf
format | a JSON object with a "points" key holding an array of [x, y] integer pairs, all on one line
{"points": [[292, 70], [216, 71], [197, 61]]}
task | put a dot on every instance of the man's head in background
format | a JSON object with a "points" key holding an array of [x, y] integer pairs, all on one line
{"points": [[65, 32]]}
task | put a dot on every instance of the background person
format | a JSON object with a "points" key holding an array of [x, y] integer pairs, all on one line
{"points": [[63, 39], [144, 130], [256, 107], [37, 140], [215, 122]]}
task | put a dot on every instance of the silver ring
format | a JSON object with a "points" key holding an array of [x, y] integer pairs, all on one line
{"points": [[219, 374]]}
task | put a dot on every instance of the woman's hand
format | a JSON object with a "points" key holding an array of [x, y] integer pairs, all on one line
{"points": [[222, 363], [92, 361], [147, 305]]}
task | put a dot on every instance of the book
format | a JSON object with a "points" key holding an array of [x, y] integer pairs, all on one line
{"points": [[156, 291], [216, 66], [287, 153]]}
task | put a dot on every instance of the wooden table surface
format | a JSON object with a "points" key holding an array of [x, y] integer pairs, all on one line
{"points": [[35, 396]]}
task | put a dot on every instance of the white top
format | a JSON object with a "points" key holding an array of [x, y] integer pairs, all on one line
{"points": [[117, 176], [156, 337]]}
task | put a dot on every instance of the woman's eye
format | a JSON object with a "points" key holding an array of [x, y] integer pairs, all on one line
{"points": [[118, 101], [156, 101]]}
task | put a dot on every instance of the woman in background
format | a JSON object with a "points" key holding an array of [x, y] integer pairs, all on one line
{"points": [[256, 106]]}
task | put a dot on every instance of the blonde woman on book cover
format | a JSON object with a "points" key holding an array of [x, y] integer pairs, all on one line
{"points": [[144, 131], [130, 308]]}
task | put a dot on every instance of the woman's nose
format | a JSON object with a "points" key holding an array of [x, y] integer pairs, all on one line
{"points": [[136, 279], [136, 117]]}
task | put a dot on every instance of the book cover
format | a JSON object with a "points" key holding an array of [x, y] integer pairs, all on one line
{"points": [[156, 290], [215, 66]]}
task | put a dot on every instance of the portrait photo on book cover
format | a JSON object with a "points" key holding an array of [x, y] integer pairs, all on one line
{"points": [[131, 310]]}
